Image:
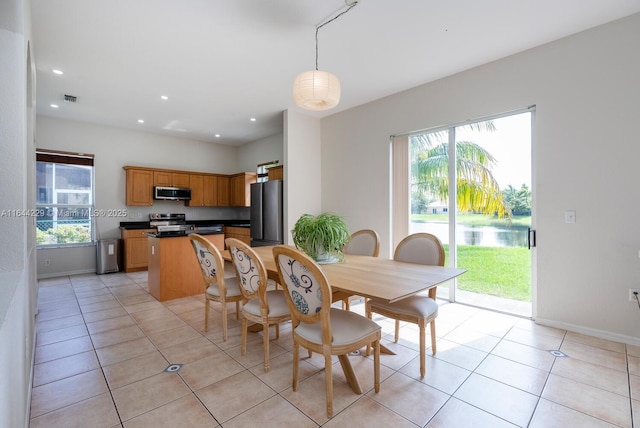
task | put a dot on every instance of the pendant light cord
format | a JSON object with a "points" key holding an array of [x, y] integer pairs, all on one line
{"points": [[318, 27]]}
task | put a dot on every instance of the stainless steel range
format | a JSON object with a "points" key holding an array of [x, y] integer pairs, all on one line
{"points": [[168, 224]]}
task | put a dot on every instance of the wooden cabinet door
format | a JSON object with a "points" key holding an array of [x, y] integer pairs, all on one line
{"points": [[136, 253], [171, 179], [139, 187], [224, 189], [180, 180], [196, 183], [240, 189], [210, 190], [162, 178], [276, 173]]}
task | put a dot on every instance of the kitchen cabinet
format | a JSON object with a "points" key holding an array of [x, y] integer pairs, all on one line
{"points": [[224, 191], [241, 233], [204, 190], [135, 249], [241, 189], [139, 187], [276, 173], [170, 179]]}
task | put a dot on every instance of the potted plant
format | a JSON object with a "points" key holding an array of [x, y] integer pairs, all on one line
{"points": [[321, 237]]}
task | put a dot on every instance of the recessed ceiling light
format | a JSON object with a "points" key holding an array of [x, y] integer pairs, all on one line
{"points": [[164, 97], [56, 71], [217, 135], [253, 119], [54, 105], [140, 120]]}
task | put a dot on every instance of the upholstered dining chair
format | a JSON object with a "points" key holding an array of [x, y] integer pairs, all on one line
{"points": [[217, 287], [420, 248], [262, 306], [364, 242], [317, 326]]}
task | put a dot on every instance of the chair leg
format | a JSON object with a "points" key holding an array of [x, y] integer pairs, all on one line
{"points": [[422, 345], [433, 336], [397, 333], [277, 331], [296, 359], [265, 344], [328, 380], [243, 346], [206, 314], [237, 309], [224, 321], [376, 365]]}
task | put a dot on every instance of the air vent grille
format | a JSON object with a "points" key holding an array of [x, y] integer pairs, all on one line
{"points": [[70, 98]]}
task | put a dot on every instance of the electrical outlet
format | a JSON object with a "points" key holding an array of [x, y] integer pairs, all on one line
{"points": [[632, 294]]}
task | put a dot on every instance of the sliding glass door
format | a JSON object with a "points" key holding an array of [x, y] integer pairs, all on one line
{"points": [[484, 219]]}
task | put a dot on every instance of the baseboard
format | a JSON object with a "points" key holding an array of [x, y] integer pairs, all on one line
{"points": [[70, 273], [607, 335]]}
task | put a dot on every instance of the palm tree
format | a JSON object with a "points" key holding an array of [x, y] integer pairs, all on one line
{"points": [[476, 188]]}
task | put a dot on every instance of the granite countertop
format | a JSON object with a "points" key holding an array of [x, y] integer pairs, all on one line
{"points": [[204, 232], [132, 225]]}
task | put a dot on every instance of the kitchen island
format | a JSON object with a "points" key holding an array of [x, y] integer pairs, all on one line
{"points": [[173, 267]]}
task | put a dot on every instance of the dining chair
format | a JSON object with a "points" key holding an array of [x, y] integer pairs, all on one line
{"points": [[420, 248], [317, 326], [217, 287], [262, 306], [364, 242]]}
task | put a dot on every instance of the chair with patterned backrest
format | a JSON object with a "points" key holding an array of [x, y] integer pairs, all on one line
{"points": [[420, 248], [262, 306], [364, 242], [316, 325], [217, 287]]}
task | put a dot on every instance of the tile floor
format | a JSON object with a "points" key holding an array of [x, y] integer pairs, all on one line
{"points": [[103, 344]]}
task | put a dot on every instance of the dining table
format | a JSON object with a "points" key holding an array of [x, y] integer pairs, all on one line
{"points": [[369, 277]]}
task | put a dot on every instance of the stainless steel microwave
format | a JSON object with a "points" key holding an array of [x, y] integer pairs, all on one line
{"points": [[172, 193]]}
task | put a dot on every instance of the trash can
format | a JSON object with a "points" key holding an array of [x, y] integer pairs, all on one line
{"points": [[108, 256]]}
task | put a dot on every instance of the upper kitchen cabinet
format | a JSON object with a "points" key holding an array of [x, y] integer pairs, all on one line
{"points": [[139, 186], [276, 172], [204, 190], [171, 179], [241, 188], [224, 191]]}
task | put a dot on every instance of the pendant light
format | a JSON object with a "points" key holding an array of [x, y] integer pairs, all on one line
{"points": [[317, 89]]}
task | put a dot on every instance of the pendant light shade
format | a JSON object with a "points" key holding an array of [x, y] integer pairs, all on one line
{"points": [[316, 90]]}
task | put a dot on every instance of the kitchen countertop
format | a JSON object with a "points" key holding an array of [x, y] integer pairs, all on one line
{"points": [[203, 232], [132, 225]]}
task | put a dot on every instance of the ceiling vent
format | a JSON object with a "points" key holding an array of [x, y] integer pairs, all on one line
{"points": [[70, 98]]}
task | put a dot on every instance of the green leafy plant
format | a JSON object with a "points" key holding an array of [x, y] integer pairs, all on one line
{"points": [[322, 237]]}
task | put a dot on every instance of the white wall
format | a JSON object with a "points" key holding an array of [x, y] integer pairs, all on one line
{"points": [[17, 237], [264, 150], [302, 171], [586, 90]]}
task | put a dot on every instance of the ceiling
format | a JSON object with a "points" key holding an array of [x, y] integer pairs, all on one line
{"points": [[222, 62]]}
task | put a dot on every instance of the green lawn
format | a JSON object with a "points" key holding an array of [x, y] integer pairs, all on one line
{"points": [[497, 271]]}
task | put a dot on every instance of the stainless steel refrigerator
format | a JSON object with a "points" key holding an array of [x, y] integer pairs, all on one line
{"points": [[266, 213]]}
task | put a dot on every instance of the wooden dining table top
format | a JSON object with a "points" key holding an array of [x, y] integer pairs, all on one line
{"points": [[373, 277]]}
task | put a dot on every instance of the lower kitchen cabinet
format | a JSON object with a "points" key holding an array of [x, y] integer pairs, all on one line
{"points": [[136, 251], [241, 233]]}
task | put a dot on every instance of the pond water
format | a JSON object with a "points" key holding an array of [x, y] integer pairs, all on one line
{"points": [[486, 236]]}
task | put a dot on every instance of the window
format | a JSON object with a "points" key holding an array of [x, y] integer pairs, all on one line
{"points": [[64, 198], [263, 170]]}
